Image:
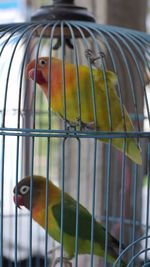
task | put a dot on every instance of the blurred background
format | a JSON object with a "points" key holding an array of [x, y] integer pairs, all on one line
{"points": [[133, 14]]}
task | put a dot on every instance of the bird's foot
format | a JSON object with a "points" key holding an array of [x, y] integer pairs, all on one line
{"points": [[64, 260], [53, 249], [90, 56], [79, 124], [86, 125], [72, 125]]}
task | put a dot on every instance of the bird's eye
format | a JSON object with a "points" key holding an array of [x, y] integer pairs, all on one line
{"points": [[24, 189], [42, 62]]}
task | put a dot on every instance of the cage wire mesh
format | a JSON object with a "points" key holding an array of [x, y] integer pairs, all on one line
{"points": [[82, 121]]}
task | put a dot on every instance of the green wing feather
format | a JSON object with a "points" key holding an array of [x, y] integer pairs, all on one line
{"points": [[84, 222], [84, 226]]}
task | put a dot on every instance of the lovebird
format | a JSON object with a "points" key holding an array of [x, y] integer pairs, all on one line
{"points": [[86, 100], [69, 228]]}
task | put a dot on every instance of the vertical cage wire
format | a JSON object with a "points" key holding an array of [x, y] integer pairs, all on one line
{"points": [[65, 144]]}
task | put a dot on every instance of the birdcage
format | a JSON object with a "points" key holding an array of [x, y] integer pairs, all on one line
{"points": [[74, 109]]}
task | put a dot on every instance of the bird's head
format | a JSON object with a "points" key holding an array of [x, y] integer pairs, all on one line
{"points": [[38, 70], [23, 193]]}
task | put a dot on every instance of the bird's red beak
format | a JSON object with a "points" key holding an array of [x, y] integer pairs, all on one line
{"points": [[39, 78], [19, 202]]}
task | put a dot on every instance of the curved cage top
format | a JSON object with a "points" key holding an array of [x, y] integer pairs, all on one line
{"points": [[123, 52]]}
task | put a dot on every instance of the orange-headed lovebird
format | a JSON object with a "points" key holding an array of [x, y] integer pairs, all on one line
{"points": [[86, 100], [69, 219]]}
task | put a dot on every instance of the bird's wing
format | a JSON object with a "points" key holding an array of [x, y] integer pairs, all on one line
{"points": [[84, 223], [84, 220]]}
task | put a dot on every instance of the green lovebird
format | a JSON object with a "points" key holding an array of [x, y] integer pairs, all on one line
{"points": [[69, 228], [87, 112]]}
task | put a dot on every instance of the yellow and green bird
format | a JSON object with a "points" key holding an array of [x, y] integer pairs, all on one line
{"points": [[86, 100], [69, 219]]}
